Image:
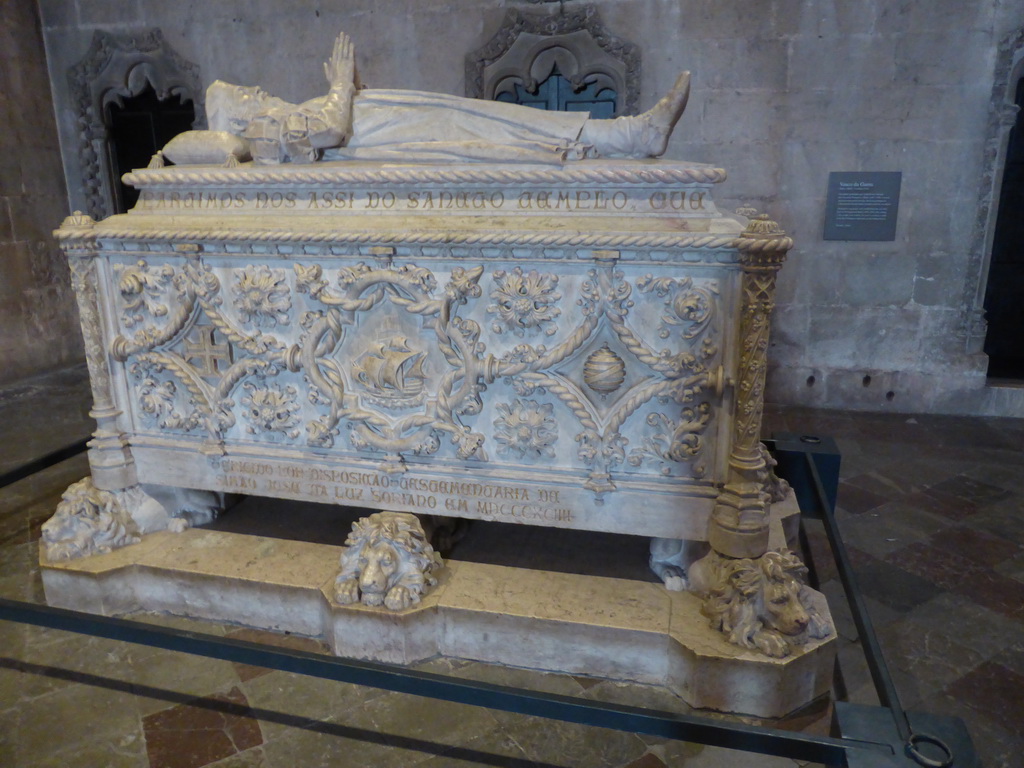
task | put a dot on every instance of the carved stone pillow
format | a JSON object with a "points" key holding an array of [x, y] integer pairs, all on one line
{"points": [[206, 148]]}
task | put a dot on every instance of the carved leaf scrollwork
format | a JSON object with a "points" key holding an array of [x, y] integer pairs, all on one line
{"points": [[675, 441], [207, 288], [692, 306], [157, 403], [211, 403], [604, 450], [144, 287], [143, 290]]}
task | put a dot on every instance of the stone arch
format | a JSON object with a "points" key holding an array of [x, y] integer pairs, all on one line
{"points": [[528, 45], [1002, 117], [114, 68]]}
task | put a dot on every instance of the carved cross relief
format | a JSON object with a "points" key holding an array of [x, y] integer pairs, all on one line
{"points": [[213, 358]]}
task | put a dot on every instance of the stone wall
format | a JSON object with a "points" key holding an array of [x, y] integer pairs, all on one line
{"points": [[785, 92], [38, 319]]}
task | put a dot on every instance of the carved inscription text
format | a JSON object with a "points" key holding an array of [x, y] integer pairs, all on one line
{"points": [[494, 501], [695, 202]]}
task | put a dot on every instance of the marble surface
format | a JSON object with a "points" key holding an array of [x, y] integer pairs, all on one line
{"points": [[558, 622]]}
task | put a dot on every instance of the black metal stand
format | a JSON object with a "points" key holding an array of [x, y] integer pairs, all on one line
{"points": [[865, 737], [811, 465]]}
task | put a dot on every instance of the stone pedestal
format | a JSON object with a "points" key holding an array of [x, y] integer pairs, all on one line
{"points": [[604, 627]]}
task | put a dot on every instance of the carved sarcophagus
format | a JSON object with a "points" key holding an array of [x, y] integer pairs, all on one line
{"points": [[498, 326], [577, 346]]}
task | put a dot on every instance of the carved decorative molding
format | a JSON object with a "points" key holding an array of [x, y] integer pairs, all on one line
{"points": [[117, 67], [610, 172], [1009, 69], [530, 43], [84, 281], [739, 522], [372, 237], [200, 364]]}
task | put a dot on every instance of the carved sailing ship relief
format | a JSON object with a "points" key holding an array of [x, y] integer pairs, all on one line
{"points": [[391, 373]]}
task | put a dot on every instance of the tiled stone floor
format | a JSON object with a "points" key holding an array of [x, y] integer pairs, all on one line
{"points": [[932, 509]]}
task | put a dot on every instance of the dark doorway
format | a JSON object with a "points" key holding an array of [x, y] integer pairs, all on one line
{"points": [[136, 129], [1004, 297], [556, 94]]}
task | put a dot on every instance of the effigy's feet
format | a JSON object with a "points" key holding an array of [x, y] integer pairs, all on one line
{"points": [[660, 119]]}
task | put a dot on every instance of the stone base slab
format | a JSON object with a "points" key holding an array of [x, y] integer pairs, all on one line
{"points": [[604, 627]]}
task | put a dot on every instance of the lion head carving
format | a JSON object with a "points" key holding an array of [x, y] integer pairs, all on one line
{"points": [[388, 561], [762, 603], [87, 521]]}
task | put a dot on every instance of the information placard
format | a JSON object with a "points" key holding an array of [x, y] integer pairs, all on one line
{"points": [[862, 205]]}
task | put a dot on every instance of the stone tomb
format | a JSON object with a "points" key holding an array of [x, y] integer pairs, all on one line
{"points": [[578, 346], [544, 346]]}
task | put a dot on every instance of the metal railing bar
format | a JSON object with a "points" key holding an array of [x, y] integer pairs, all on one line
{"points": [[731, 735], [880, 676], [43, 462], [212, 704], [805, 547]]}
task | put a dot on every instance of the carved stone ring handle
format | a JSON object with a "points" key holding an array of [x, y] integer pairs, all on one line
{"points": [[718, 381]]}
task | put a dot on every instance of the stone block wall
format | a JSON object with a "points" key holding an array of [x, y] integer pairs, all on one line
{"points": [[38, 317], [785, 91]]}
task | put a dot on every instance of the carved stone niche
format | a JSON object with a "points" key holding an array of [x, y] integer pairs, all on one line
{"points": [[529, 45], [117, 67]]}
